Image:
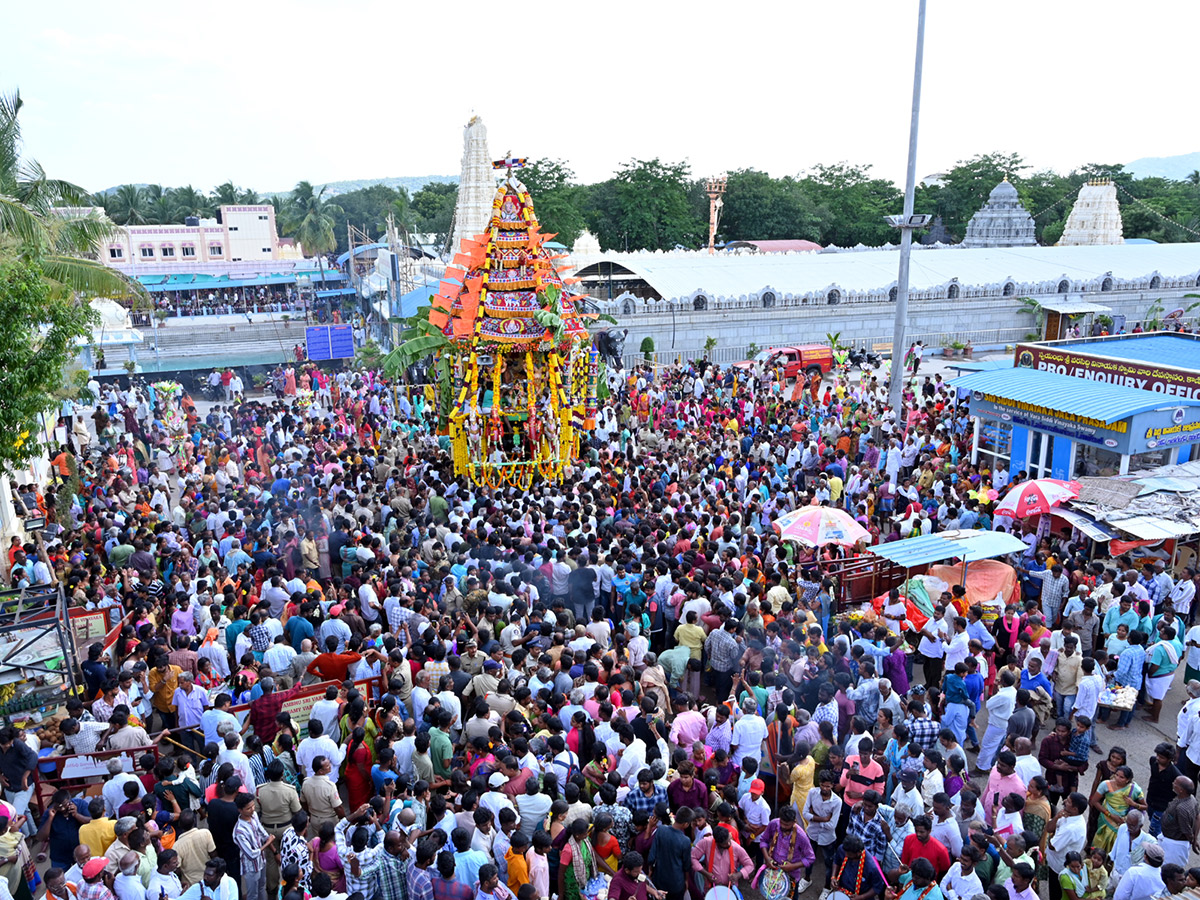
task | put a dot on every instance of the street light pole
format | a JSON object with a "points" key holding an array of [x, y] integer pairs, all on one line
{"points": [[907, 224]]}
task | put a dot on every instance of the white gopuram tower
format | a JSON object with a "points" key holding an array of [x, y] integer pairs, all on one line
{"points": [[1095, 218], [476, 186]]}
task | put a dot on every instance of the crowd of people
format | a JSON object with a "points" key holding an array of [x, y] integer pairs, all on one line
{"points": [[625, 681]]}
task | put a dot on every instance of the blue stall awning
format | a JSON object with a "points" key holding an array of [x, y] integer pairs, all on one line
{"points": [[411, 302], [336, 292], [1078, 396], [970, 546]]}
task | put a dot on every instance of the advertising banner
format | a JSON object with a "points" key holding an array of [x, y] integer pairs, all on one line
{"points": [[1144, 376], [1112, 436]]}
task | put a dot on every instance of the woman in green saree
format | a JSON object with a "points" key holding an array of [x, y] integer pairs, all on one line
{"points": [[1113, 799], [577, 862]]}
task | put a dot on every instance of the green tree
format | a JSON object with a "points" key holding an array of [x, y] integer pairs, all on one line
{"points": [[36, 344], [759, 207], [852, 205], [433, 211], [225, 194], [965, 188], [127, 205], [646, 205], [191, 202], [35, 229], [367, 208], [556, 198]]}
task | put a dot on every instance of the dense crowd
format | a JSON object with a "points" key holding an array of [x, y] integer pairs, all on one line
{"points": [[627, 677]]}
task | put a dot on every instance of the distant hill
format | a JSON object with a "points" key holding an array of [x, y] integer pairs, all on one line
{"points": [[1176, 168], [411, 183]]}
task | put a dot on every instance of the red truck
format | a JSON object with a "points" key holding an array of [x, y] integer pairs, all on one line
{"points": [[806, 358]]}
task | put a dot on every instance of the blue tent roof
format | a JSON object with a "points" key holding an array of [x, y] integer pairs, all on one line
{"points": [[358, 251], [1066, 393], [189, 282], [967, 545], [415, 299]]}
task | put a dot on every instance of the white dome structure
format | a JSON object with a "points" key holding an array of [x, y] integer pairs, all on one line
{"points": [[1001, 222]]}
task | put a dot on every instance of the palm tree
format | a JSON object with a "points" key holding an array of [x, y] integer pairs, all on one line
{"points": [[128, 205], [160, 207], [190, 202], [249, 197], [41, 220], [311, 219], [225, 194]]}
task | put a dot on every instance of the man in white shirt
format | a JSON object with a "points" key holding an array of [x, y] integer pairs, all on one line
{"points": [[1087, 695], [755, 808], [1129, 844], [932, 646], [1068, 831], [633, 760], [1145, 879], [1027, 764], [958, 647], [318, 744], [1000, 708], [962, 882], [748, 734], [1183, 594], [326, 711], [233, 755], [113, 791]]}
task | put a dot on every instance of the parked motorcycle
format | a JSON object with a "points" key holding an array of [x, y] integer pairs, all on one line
{"points": [[864, 359]]}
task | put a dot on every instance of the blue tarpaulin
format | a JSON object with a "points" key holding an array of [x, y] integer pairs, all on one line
{"points": [[966, 545]]}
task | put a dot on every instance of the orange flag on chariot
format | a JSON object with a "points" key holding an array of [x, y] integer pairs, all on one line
{"points": [[469, 304], [449, 289], [473, 286], [438, 318], [463, 327], [440, 302]]}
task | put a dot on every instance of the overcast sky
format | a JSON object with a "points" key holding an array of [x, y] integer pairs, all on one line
{"points": [[267, 94]]}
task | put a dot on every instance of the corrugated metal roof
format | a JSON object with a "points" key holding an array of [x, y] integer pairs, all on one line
{"points": [[1066, 393], [679, 274], [1086, 524], [930, 548], [980, 365]]}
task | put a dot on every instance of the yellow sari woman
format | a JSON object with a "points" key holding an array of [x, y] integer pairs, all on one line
{"points": [[1113, 799]]}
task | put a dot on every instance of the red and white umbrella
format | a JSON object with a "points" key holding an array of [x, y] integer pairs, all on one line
{"points": [[1039, 496], [820, 525]]}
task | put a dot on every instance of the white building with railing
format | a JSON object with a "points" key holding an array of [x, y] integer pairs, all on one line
{"points": [[956, 294]]}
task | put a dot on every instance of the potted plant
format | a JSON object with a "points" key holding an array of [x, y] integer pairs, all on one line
{"points": [[647, 349], [286, 319], [161, 316], [956, 347], [130, 366], [710, 344]]}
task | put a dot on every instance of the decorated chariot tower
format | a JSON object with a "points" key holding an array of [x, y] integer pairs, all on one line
{"points": [[522, 367]]}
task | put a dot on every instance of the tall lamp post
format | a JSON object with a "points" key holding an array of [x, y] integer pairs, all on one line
{"points": [[907, 223], [715, 188]]}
